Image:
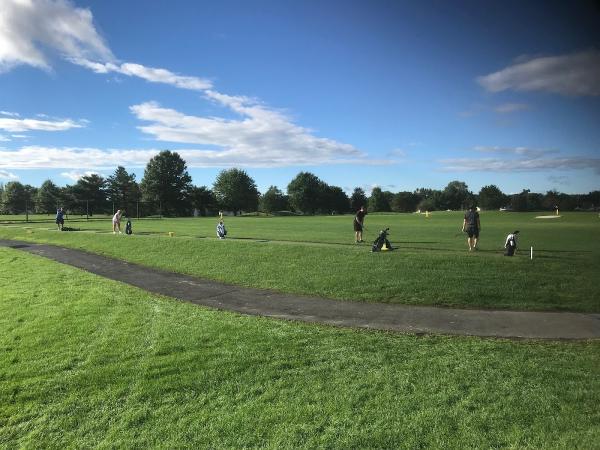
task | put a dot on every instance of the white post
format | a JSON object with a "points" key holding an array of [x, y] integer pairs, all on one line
{"points": [[531, 253]]}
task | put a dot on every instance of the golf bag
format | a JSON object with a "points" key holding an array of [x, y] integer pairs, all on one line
{"points": [[221, 230], [128, 229], [381, 241]]}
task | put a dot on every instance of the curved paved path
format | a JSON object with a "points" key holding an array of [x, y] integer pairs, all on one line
{"points": [[399, 318]]}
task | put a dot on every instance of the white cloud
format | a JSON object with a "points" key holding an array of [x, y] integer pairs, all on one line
{"points": [[4, 138], [152, 74], [17, 125], [28, 28], [4, 175], [507, 108], [574, 74], [37, 157], [518, 151], [75, 175], [8, 113], [262, 137], [519, 165], [398, 152]]}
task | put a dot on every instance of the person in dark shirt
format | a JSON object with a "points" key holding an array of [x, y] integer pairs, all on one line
{"points": [[60, 218], [359, 220], [472, 227]]}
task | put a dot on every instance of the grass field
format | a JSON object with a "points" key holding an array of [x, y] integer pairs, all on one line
{"points": [[317, 256], [88, 362]]}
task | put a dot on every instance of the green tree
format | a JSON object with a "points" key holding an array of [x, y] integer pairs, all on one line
{"points": [[491, 197], [90, 193], [358, 199], [166, 182], [273, 200], [236, 191], [378, 201], [405, 202], [14, 198], [335, 200], [305, 192], [47, 198], [122, 189], [455, 196], [203, 200]]}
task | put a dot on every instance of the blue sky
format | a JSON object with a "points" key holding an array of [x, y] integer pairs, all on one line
{"points": [[394, 94]]}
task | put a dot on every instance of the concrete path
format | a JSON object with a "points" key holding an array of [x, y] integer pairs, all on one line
{"points": [[398, 318]]}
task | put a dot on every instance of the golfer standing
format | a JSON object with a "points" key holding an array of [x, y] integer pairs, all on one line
{"points": [[472, 227], [60, 218], [359, 220], [116, 222]]}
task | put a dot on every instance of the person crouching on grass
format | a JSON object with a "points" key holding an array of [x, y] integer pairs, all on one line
{"points": [[472, 227], [221, 230], [511, 243], [116, 222]]}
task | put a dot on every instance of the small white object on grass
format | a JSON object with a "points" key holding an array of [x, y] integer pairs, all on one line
{"points": [[531, 253]]}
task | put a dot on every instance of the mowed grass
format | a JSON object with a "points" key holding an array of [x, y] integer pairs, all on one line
{"points": [[88, 362], [317, 256]]}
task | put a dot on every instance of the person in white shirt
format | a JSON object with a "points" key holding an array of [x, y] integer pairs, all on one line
{"points": [[116, 222], [511, 243]]}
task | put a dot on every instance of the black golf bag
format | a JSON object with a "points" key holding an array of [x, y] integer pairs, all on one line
{"points": [[382, 240], [128, 229]]}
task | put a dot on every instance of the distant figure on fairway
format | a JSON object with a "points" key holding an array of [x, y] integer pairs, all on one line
{"points": [[60, 218], [511, 243], [472, 227], [116, 221], [359, 221], [221, 230]]}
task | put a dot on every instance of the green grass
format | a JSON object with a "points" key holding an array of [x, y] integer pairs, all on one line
{"points": [[88, 362], [316, 256]]}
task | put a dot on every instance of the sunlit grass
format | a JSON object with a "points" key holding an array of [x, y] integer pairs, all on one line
{"points": [[88, 362]]}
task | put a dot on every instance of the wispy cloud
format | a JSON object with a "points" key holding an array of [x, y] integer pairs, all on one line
{"points": [[5, 175], [9, 114], [398, 152], [29, 27], [518, 151], [575, 74], [518, 159], [151, 74], [262, 137], [559, 179], [38, 157], [18, 125], [519, 165], [507, 108], [4, 138]]}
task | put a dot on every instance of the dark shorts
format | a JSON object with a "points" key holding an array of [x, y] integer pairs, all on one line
{"points": [[357, 226], [473, 232], [60, 221]]}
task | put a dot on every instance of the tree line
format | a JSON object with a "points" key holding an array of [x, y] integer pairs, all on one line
{"points": [[166, 189]]}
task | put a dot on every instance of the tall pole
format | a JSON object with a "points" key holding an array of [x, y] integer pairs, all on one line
{"points": [[87, 210], [137, 209], [26, 210]]}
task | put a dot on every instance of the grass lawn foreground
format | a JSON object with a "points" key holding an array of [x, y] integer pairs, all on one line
{"points": [[86, 362]]}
